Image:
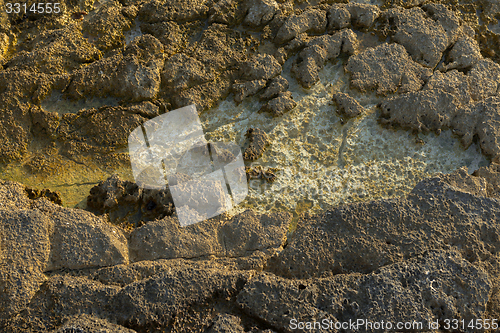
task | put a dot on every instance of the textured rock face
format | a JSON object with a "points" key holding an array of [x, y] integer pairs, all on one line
{"points": [[135, 73], [423, 110], [79, 239], [258, 143], [318, 51], [241, 235], [437, 285], [24, 257], [343, 240], [430, 255], [386, 69], [56, 52], [106, 25], [347, 106], [398, 261], [260, 12], [313, 21]]}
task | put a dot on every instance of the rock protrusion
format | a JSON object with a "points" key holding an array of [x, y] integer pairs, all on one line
{"points": [[279, 105], [258, 143], [347, 106]]}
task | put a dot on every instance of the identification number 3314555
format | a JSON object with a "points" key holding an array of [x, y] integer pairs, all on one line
{"points": [[38, 8]]}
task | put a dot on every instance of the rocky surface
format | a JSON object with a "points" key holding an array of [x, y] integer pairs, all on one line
{"points": [[392, 260], [258, 141], [346, 105], [386, 69], [126, 265]]}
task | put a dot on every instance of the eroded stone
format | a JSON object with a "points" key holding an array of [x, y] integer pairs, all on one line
{"points": [[258, 143], [386, 69]]}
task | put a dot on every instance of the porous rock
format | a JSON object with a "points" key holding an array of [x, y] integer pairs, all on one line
{"points": [[453, 82], [346, 105], [339, 17], [484, 79], [277, 85], [464, 54], [310, 21], [261, 66], [139, 304], [258, 143], [80, 239], [220, 47], [423, 37], [176, 10], [63, 297], [120, 199], [230, 12], [362, 15], [226, 323], [183, 72], [173, 36], [479, 119], [318, 51], [279, 105], [98, 131], [24, 255], [166, 239], [426, 110], [242, 90], [433, 286], [55, 52], [89, 323], [205, 95], [133, 75], [13, 196], [386, 68], [363, 237], [491, 175], [105, 25], [260, 12]]}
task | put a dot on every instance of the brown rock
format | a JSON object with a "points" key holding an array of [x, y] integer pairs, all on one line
{"points": [[177, 10], [406, 291], [261, 66], [484, 78], [260, 12], [426, 110], [56, 52], [183, 72], [453, 82], [279, 105], [311, 21], [105, 25], [14, 196], [133, 75], [79, 239], [166, 239], [242, 90], [464, 54], [88, 323], [424, 38], [258, 143], [339, 17], [277, 85], [230, 12], [491, 175], [363, 15], [24, 256], [347, 106], [480, 119], [318, 51], [387, 69], [363, 237]]}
